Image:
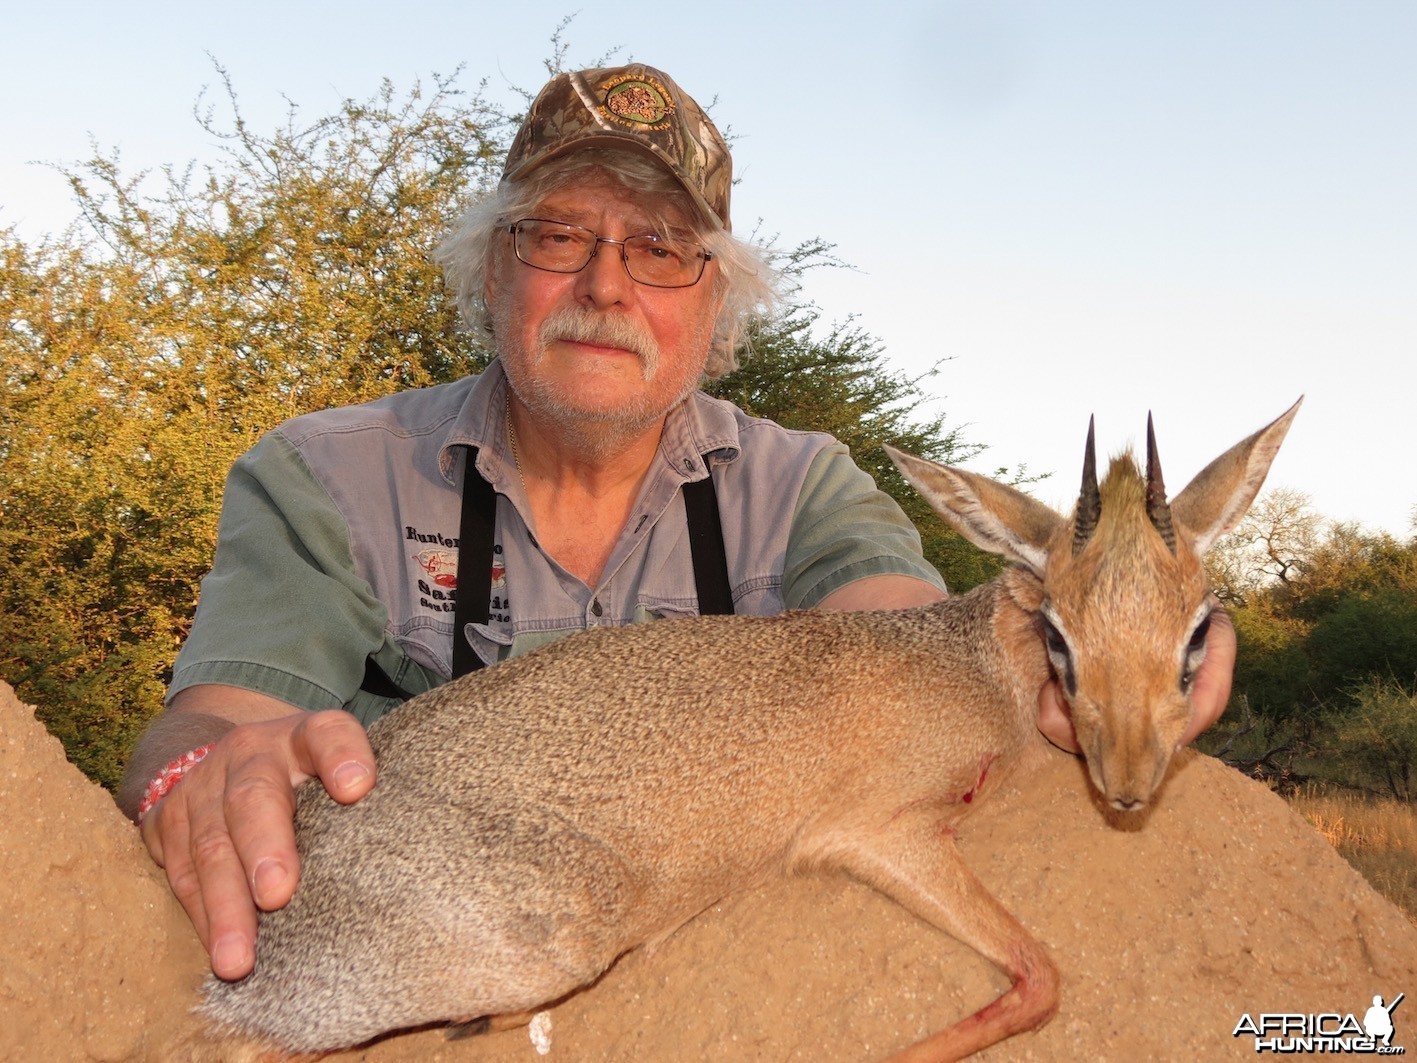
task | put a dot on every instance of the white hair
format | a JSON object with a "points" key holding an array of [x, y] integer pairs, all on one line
{"points": [[751, 288]]}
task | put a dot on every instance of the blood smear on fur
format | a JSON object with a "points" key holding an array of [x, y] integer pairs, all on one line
{"points": [[540, 1031]]}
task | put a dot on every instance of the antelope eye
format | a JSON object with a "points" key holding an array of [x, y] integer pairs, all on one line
{"points": [[1195, 653], [1052, 637], [1060, 657], [1198, 636]]}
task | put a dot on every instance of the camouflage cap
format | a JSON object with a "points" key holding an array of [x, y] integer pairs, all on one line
{"points": [[628, 106]]}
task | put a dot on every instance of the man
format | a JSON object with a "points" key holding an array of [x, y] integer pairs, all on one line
{"points": [[356, 545]]}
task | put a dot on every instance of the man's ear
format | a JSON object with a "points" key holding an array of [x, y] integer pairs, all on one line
{"points": [[720, 298], [489, 284]]}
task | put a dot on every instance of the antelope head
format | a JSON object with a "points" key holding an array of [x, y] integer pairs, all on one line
{"points": [[1120, 597]]}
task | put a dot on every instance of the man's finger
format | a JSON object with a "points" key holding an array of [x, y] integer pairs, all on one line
{"points": [[334, 747], [164, 831], [242, 841], [1054, 718], [226, 898], [258, 810], [214, 880], [1211, 691]]}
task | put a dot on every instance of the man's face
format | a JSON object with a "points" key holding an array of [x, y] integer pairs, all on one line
{"points": [[596, 346]]}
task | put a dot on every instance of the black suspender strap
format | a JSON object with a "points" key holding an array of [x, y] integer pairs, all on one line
{"points": [[706, 548], [379, 683], [479, 519]]}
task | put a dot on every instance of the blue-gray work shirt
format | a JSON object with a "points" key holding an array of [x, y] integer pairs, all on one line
{"points": [[339, 538]]}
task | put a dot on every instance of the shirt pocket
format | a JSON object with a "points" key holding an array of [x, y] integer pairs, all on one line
{"points": [[489, 643], [649, 607], [760, 596]]}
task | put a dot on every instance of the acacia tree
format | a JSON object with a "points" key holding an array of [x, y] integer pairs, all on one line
{"points": [[1272, 544], [1377, 738], [154, 342]]}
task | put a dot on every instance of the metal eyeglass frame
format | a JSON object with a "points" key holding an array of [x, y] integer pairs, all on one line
{"points": [[704, 256]]}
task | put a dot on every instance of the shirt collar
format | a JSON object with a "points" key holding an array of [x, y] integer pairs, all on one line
{"points": [[481, 423], [700, 431]]}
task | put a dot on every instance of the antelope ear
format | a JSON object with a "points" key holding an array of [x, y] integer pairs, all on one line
{"points": [[1221, 493], [991, 515]]}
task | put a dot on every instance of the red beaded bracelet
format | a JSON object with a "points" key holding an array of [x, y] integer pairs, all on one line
{"points": [[170, 776]]}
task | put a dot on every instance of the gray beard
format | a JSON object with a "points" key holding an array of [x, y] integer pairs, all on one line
{"points": [[598, 436]]}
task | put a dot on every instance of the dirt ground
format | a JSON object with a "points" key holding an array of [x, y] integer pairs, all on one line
{"points": [[1225, 904]]}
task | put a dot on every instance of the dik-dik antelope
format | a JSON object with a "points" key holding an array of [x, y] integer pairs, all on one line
{"points": [[534, 821]]}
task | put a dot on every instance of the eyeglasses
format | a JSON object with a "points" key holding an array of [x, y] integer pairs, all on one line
{"points": [[659, 261]]}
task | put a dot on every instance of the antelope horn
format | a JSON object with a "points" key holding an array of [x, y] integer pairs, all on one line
{"points": [[1090, 501], [1157, 508]]}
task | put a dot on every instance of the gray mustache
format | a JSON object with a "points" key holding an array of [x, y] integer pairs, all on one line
{"points": [[580, 326]]}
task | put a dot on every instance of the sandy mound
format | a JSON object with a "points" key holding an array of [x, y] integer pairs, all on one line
{"points": [[1225, 904], [99, 961]]}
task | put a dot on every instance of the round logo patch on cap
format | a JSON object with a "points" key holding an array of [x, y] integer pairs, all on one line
{"points": [[638, 102]]}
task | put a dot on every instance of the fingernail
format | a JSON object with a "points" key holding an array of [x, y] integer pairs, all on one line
{"points": [[268, 878], [350, 774], [231, 958]]}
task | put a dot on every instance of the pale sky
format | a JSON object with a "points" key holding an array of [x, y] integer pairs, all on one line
{"points": [[1197, 208]]}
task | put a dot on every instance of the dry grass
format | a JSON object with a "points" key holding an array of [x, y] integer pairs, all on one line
{"points": [[1378, 836]]}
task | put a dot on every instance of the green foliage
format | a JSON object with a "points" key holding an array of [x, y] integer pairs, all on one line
{"points": [[1376, 740], [1271, 670], [1364, 635], [1350, 563]]}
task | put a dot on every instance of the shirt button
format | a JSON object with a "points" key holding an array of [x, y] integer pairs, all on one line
{"points": [[595, 607]]}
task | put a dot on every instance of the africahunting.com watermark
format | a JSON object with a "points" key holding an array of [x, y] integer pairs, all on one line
{"points": [[1326, 1032]]}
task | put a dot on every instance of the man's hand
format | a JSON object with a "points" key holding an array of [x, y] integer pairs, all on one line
{"points": [[1209, 692], [225, 833]]}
